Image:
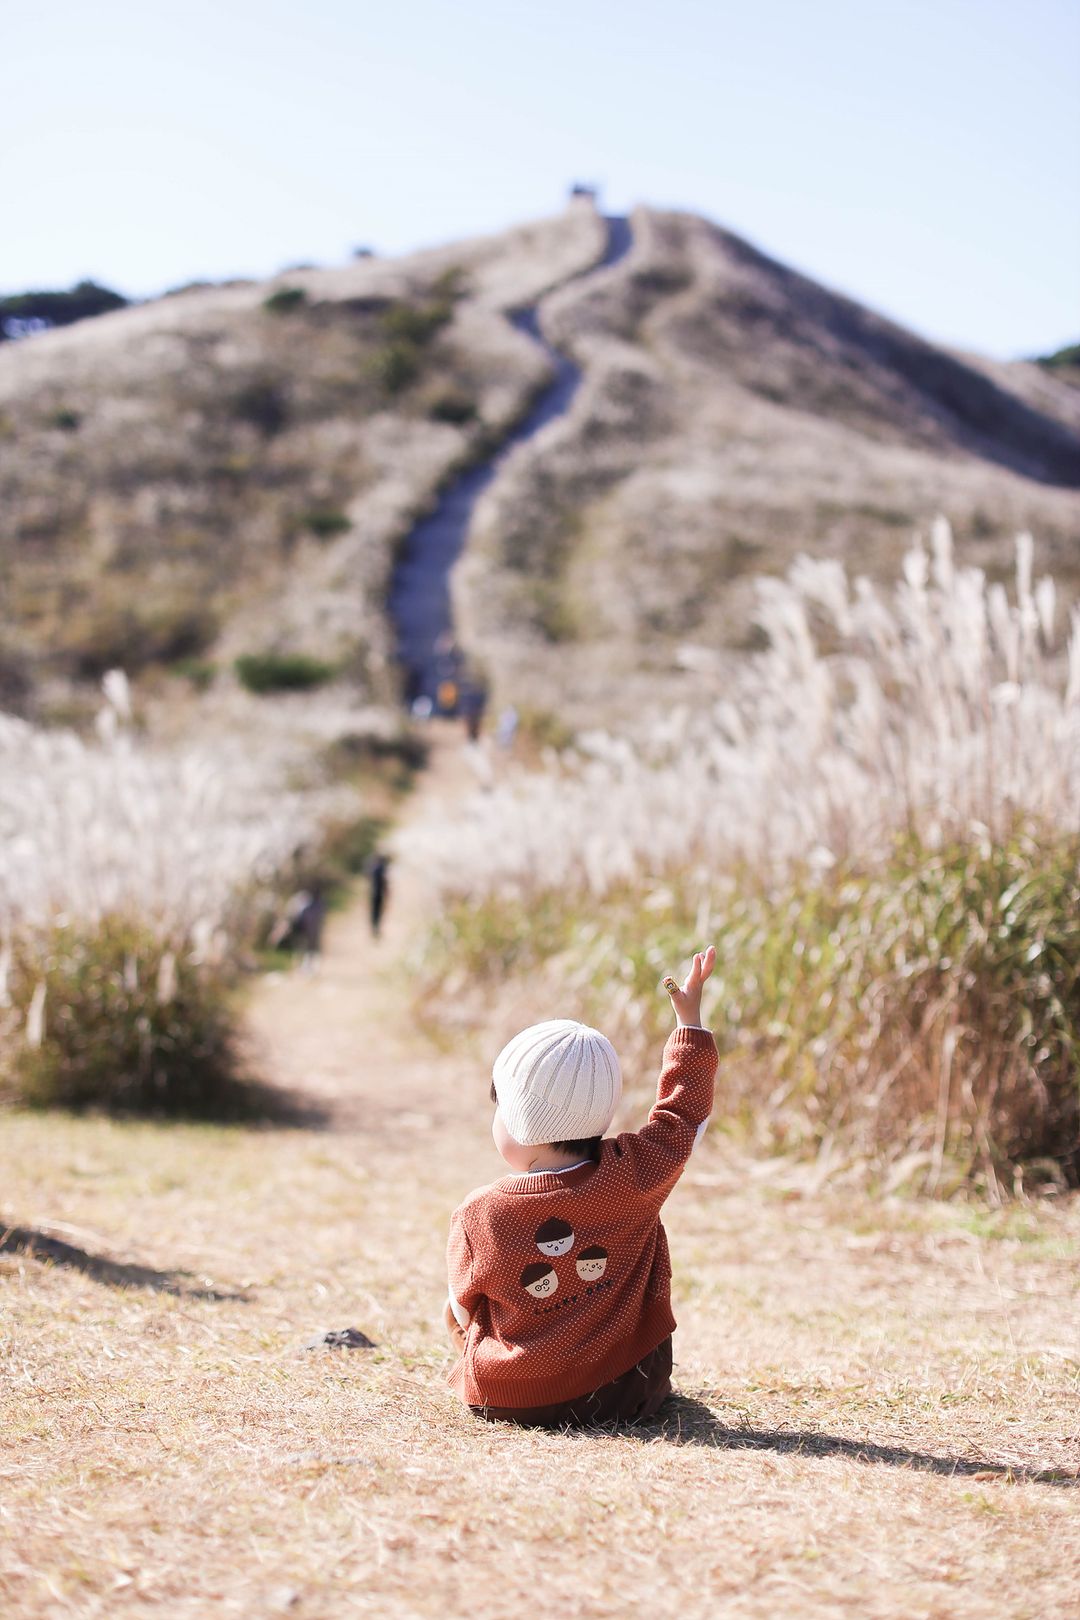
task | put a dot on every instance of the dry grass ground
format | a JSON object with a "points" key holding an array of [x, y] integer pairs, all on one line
{"points": [[879, 1411]]}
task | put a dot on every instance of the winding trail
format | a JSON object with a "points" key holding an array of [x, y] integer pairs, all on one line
{"points": [[337, 1035], [345, 1037], [420, 589]]}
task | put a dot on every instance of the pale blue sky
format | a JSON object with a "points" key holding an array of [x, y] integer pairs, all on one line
{"points": [[922, 155]]}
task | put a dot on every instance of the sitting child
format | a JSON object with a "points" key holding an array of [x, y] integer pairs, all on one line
{"points": [[560, 1282]]}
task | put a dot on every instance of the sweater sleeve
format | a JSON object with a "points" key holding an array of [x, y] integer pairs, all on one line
{"points": [[655, 1156], [463, 1294]]}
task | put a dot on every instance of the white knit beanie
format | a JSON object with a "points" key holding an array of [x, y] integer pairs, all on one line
{"points": [[557, 1082]]}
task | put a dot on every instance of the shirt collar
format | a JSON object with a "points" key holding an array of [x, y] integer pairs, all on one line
{"points": [[560, 1172]]}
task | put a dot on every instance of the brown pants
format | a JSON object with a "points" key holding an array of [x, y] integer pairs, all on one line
{"points": [[630, 1398]]}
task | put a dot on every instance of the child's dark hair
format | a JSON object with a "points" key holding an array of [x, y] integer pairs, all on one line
{"points": [[585, 1147], [582, 1147]]}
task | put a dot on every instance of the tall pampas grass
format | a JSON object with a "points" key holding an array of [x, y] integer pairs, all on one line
{"points": [[880, 824], [132, 880], [933, 711]]}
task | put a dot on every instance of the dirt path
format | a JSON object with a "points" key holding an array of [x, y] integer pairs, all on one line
{"points": [[419, 604], [337, 1033], [879, 1410]]}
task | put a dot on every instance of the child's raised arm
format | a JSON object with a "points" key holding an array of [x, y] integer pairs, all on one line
{"points": [[655, 1156], [687, 999]]}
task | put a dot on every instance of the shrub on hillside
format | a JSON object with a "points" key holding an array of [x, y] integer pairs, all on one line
{"points": [[263, 404], [118, 1019], [450, 284], [395, 365], [325, 522], [67, 420], [201, 672], [24, 312], [396, 757], [416, 323], [1064, 359], [407, 330], [452, 405], [285, 300], [282, 672]]}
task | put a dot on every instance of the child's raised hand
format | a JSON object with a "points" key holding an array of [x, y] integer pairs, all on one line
{"points": [[687, 1000]]}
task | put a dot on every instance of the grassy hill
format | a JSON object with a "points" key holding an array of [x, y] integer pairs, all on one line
{"points": [[735, 413], [225, 471]]}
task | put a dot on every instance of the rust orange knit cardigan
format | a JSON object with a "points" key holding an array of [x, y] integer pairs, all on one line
{"points": [[563, 1277]]}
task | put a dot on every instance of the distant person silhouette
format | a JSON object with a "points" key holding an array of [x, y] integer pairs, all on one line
{"points": [[299, 928], [448, 672], [506, 730], [378, 877], [473, 705]]}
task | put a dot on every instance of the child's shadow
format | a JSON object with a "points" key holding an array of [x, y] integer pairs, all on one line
{"points": [[685, 1421]]}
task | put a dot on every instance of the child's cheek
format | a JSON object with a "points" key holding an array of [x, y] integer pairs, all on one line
{"points": [[515, 1155]]}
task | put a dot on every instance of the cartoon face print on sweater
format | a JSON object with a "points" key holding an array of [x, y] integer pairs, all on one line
{"points": [[591, 1264], [554, 1237], [539, 1279]]}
